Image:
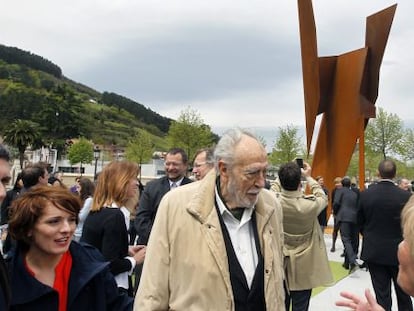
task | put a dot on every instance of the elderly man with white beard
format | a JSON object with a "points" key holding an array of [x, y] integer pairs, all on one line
{"points": [[217, 244]]}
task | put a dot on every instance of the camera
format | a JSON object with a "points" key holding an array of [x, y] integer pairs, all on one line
{"points": [[299, 162]]}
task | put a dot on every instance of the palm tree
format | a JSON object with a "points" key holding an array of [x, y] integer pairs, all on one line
{"points": [[21, 134]]}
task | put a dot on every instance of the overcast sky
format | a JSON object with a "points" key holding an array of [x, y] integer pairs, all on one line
{"points": [[236, 62]]}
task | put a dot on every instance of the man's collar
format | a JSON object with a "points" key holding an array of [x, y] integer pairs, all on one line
{"points": [[386, 179], [177, 182]]}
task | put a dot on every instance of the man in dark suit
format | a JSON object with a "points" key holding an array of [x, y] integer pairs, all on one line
{"points": [[380, 208], [176, 164], [346, 207]]}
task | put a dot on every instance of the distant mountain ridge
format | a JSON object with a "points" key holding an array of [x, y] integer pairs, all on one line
{"points": [[34, 88], [15, 55]]}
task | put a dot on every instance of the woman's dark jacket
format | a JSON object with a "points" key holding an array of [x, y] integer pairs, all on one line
{"points": [[91, 285]]}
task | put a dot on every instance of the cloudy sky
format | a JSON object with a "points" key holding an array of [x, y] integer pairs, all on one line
{"points": [[236, 62]]}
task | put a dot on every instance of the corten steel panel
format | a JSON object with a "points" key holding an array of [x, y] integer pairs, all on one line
{"points": [[344, 88], [378, 27], [327, 69], [340, 128], [310, 65]]}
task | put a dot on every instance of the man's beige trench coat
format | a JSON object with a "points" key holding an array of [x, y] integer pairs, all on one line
{"points": [[186, 266], [306, 261]]}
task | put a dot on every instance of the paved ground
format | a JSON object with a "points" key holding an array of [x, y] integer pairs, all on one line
{"points": [[356, 282]]}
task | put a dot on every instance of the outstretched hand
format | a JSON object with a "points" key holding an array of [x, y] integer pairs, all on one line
{"points": [[306, 170], [357, 303]]}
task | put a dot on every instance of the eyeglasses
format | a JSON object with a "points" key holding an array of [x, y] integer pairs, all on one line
{"points": [[197, 165]]}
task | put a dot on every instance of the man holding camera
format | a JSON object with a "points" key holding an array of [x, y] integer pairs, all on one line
{"points": [[306, 261]]}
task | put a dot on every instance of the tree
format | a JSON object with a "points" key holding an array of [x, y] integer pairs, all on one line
{"points": [[140, 148], [189, 132], [409, 144], [287, 145], [81, 152], [21, 134], [384, 135]]}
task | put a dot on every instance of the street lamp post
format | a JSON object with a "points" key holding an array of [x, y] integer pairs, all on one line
{"points": [[96, 154]]}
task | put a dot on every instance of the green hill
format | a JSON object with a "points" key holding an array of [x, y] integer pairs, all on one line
{"points": [[33, 88]]}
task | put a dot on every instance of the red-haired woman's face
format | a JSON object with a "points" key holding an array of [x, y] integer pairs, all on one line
{"points": [[132, 188], [52, 232]]}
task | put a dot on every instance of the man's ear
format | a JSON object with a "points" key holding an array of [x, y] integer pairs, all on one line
{"points": [[222, 168]]}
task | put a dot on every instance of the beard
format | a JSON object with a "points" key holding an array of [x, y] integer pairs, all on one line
{"points": [[240, 198]]}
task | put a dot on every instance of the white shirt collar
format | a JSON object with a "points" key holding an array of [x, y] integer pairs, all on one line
{"points": [[178, 182]]}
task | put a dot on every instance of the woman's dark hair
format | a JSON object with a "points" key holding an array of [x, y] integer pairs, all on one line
{"points": [[87, 188]]}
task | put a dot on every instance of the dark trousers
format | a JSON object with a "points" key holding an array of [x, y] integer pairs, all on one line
{"points": [[335, 232], [381, 277], [299, 299], [350, 239]]}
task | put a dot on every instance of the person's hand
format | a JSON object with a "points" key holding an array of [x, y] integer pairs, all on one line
{"points": [[306, 170], [357, 303], [140, 254], [133, 249]]}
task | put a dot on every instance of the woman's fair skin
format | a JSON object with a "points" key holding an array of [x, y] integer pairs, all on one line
{"points": [[51, 237], [132, 188]]}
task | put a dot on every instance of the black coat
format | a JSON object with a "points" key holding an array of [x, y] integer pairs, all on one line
{"points": [[380, 208], [4, 286], [148, 206], [91, 285], [346, 205], [106, 230], [323, 217]]}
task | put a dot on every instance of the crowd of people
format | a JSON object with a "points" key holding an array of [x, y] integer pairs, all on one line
{"points": [[222, 239]]}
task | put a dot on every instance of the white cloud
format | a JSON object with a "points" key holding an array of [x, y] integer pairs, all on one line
{"points": [[237, 63]]}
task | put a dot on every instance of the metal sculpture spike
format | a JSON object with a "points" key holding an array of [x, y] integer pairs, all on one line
{"points": [[343, 88]]}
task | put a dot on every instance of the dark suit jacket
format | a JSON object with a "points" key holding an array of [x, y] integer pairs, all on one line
{"points": [[148, 206], [4, 286], [379, 210], [346, 205], [323, 217]]}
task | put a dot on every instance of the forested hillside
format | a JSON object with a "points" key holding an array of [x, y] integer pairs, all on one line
{"points": [[33, 88]]}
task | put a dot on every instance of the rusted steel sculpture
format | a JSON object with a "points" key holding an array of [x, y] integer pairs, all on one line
{"points": [[344, 89]]}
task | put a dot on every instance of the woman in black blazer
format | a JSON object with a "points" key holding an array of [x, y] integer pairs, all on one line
{"points": [[106, 226]]}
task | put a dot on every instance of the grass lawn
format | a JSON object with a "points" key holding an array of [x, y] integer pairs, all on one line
{"points": [[338, 273]]}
